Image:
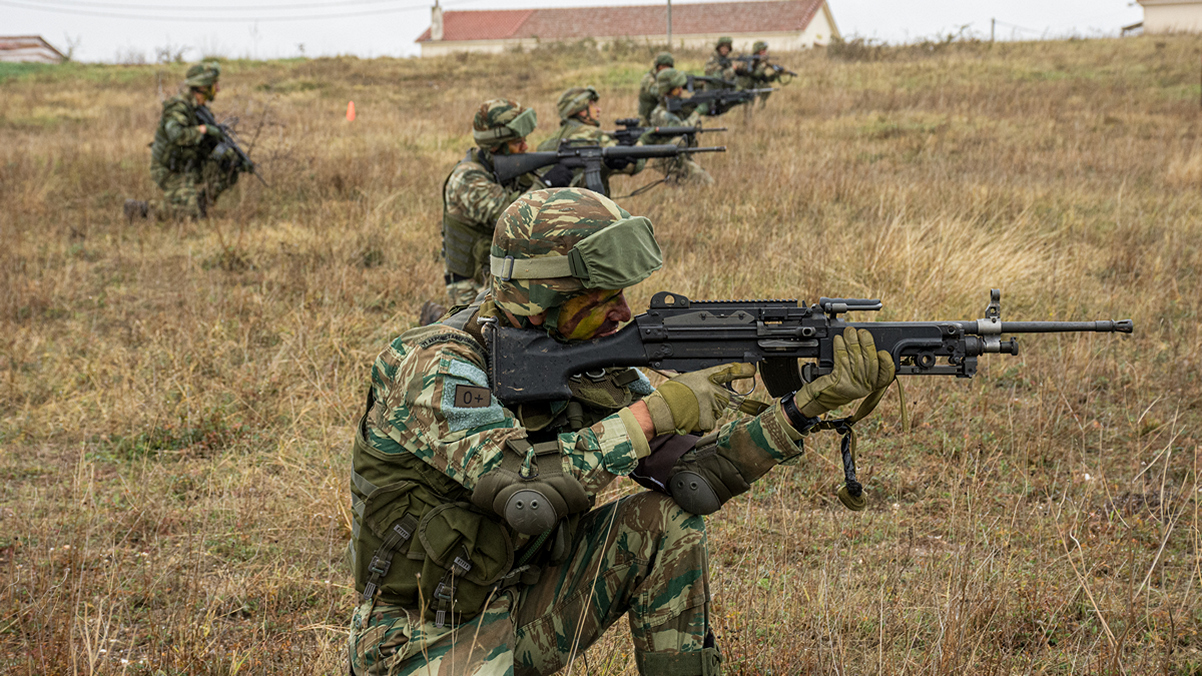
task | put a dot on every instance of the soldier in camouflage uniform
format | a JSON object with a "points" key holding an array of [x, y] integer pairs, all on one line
{"points": [[683, 168], [187, 159], [720, 64], [758, 73], [580, 124], [473, 200], [475, 545], [648, 91]]}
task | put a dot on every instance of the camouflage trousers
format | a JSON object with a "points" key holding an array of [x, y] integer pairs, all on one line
{"points": [[191, 193], [640, 555]]}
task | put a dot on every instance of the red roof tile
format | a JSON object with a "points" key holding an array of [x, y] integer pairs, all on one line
{"points": [[630, 21], [483, 25]]}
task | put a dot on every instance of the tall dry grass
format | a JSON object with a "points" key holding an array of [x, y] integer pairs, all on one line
{"points": [[177, 398]]}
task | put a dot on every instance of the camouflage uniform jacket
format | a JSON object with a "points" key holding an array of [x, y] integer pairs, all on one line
{"points": [[720, 66], [420, 407], [178, 143], [577, 132], [662, 117], [648, 97], [473, 200]]}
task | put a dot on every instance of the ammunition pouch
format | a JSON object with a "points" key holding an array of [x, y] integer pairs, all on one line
{"points": [[423, 548]]}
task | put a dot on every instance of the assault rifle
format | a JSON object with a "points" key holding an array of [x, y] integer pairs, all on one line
{"points": [[570, 157], [719, 101], [678, 334], [752, 60], [205, 117], [631, 132], [708, 82]]}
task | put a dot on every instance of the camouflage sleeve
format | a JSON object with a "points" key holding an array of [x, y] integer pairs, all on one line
{"points": [[432, 399], [474, 196], [179, 125], [769, 431]]}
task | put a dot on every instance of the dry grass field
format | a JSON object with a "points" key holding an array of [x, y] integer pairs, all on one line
{"points": [[177, 399]]}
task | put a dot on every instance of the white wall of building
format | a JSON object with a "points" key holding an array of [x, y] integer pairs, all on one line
{"points": [[1172, 17]]}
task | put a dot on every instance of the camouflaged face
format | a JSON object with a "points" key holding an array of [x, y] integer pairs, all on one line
{"points": [[668, 79], [665, 59], [547, 223], [496, 115], [575, 100], [203, 74]]}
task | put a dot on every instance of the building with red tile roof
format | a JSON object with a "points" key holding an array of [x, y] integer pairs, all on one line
{"points": [[783, 24], [28, 49]]}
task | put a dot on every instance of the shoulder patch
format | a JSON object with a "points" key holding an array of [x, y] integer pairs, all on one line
{"points": [[449, 338], [472, 396]]}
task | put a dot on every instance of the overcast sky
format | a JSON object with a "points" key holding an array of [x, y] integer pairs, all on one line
{"points": [[121, 30]]}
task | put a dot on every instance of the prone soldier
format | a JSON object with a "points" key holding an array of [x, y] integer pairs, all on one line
{"points": [[190, 161], [475, 541], [580, 123]]}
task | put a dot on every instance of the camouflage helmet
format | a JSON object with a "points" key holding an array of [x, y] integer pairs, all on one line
{"points": [[500, 120], [553, 244], [575, 100], [203, 74], [758, 46], [665, 59], [668, 79], [724, 40]]}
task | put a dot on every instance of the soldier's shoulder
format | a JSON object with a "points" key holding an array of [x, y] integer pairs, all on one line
{"points": [[422, 353], [177, 102]]}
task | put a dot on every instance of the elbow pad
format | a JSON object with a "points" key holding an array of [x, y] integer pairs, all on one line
{"points": [[530, 489]]}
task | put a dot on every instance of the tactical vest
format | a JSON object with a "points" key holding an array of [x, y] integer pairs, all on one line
{"points": [[461, 238], [417, 541], [168, 155]]}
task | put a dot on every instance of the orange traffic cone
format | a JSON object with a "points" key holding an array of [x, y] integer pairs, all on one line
{"points": [[350, 111]]}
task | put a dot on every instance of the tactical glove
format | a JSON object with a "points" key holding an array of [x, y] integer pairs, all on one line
{"points": [[860, 370], [692, 402]]}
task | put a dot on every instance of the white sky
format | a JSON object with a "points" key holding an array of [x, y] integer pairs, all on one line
{"points": [[108, 30]]}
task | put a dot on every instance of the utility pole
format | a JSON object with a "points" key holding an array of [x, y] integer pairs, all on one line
{"points": [[992, 27], [669, 24]]}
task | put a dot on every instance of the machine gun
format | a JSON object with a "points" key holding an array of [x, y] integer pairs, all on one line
{"points": [[678, 334], [791, 344], [718, 101], [631, 132], [205, 117], [570, 157], [751, 61]]}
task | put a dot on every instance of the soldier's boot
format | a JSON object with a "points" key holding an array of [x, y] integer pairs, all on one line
{"points": [[430, 313], [136, 209]]}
